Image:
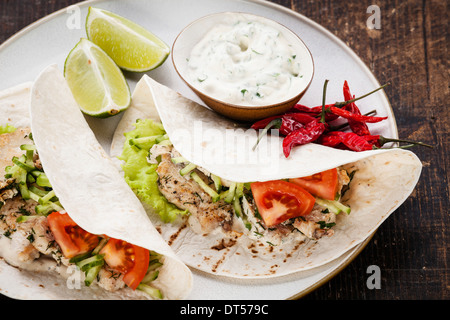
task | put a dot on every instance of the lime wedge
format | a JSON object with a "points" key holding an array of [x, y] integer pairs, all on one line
{"points": [[132, 47], [97, 83]]}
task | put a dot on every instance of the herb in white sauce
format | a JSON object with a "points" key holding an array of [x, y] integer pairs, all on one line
{"points": [[246, 63]]}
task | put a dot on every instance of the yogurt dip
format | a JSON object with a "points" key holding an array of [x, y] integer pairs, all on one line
{"points": [[248, 61]]}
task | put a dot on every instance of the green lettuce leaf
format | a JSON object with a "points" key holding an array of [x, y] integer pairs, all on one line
{"points": [[141, 176]]}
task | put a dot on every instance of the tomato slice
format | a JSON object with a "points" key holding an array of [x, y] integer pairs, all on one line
{"points": [[71, 238], [323, 184], [127, 258], [279, 200]]}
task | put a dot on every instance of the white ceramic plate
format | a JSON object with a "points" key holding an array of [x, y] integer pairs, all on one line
{"points": [[49, 40]]}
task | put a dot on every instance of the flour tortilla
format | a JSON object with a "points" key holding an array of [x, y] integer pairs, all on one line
{"points": [[90, 188], [384, 180], [14, 105]]}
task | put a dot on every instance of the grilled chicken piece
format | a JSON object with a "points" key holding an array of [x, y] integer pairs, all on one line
{"points": [[11, 210], [7, 193], [30, 238], [21, 246], [43, 240], [110, 280], [186, 194], [311, 224], [317, 224]]}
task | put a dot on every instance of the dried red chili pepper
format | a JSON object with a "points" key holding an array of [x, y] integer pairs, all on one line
{"points": [[289, 122], [379, 141], [374, 140], [350, 140], [355, 142], [349, 103], [314, 111], [358, 127], [309, 133], [302, 125], [274, 122], [285, 123], [292, 122], [356, 117], [261, 124], [288, 125], [331, 139]]}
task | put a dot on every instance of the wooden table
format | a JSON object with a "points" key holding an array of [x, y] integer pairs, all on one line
{"points": [[410, 50]]}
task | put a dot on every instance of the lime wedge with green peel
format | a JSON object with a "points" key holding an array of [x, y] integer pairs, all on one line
{"points": [[97, 83], [132, 47]]}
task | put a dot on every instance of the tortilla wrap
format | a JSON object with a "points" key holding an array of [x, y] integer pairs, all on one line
{"points": [[91, 190], [14, 105], [383, 181]]}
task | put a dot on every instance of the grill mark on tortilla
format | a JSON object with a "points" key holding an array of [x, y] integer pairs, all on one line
{"points": [[273, 269], [175, 235], [295, 249], [220, 261], [223, 244]]}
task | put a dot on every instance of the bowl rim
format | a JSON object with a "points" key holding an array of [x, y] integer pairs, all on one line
{"points": [[236, 106]]}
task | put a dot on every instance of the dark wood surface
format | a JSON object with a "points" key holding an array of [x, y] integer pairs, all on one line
{"points": [[410, 50]]}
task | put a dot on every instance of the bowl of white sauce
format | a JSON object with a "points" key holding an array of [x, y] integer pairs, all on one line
{"points": [[243, 66]]}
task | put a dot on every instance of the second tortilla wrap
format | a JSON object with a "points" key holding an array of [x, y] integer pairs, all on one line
{"points": [[384, 180]]}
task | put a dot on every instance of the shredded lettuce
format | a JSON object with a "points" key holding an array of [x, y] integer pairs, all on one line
{"points": [[140, 175], [7, 129]]}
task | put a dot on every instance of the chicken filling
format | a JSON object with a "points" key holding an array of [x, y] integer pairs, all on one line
{"points": [[26, 238], [211, 206]]}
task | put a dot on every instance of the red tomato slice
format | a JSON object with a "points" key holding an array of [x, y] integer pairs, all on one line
{"points": [[323, 184], [72, 239], [128, 259], [279, 200]]}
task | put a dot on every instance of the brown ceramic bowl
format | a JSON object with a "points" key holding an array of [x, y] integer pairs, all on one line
{"points": [[195, 31]]}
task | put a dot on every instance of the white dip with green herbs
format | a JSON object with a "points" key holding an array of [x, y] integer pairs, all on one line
{"points": [[249, 62]]}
